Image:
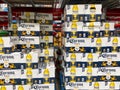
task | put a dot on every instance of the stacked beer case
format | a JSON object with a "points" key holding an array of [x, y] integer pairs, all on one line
{"points": [[91, 50], [46, 57], [28, 17], [9, 71]]}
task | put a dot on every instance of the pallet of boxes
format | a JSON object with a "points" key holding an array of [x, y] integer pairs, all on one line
{"points": [[9, 71], [46, 56], [91, 50], [28, 45]]}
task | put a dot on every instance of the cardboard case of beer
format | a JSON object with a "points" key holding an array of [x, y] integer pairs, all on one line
{"points": [[44, 18], [74, 9], [29, 29], [7, 45], [71, 26], [46, 27], [29, 42], [30, 15]]}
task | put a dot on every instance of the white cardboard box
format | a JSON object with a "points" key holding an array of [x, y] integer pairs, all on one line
{"points": [[70, 9], [29, 27], [68, 26], [46, 27], [46, 16], [98, 10]]}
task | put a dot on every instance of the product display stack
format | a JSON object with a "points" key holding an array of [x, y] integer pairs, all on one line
{"points": [[46, 57], [9, 71], [91, 50]]}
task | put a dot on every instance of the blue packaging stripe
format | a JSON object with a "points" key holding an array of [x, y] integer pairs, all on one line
{"points": [[16, 66], [47, 22], [33, 33], [83, 17], [43, 45], [71, 18], [93, 78], [83, 34], [93, 64], [19, 46], [49, 58], [89, 18], [91, 49], [47, 33]]}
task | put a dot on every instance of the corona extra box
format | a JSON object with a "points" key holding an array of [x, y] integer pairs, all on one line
{"points": [[8, 74], [74, 9], [43, 86], [73, 26], [7, 45], [11, 58], [93, 8], [106, 42], [23, 87], [114, 56], [47, 52], [111, 71], [92, 24], [29, 29], [74, 17], [46, 27], [30, 15], [10, 61], [44, 18], [81, 71], [28, 42], [93, 12], [108, 25], [72, 42], [107, 29], [81, 57], [94, 86], [6, 87], [31, 57], [46, 39], [36, 73]]}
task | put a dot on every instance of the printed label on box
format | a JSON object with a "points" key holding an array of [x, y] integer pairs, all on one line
{"points": [[29, 27]]}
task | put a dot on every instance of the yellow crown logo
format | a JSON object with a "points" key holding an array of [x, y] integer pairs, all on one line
{"points": [[73, 70], [98, 41], [1, 41], [92, 17], [91, 24], [89, 70], [29, 72], [107, 25], [3, 88], [20, 87], [90, 56], [75, 8], [96, 85], [75, 19], [73, 56], [46, 38], [74, 25], [115, 40], [46, 72], [112, 85], [28, 57], [46, 52]]}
